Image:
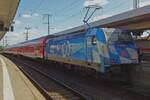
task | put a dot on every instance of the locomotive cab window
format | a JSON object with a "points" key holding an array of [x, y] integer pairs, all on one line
{"points": [[93, 40], [120, 35]]}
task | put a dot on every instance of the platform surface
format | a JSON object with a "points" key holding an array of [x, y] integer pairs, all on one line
{"points": [[14, 85]]}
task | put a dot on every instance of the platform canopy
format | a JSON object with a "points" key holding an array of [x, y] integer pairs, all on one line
{"points": [[137, 19], [8, 10]]}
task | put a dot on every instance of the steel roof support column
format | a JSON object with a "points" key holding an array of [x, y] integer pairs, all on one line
{"points": [[135, 4]]}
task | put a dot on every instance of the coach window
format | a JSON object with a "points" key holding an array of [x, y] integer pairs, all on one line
{"points": [[94, 40]]}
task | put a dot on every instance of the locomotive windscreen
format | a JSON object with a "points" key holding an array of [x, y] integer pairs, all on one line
{"points": [[120, 35]]}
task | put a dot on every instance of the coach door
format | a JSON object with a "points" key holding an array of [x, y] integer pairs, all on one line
{"points": [[90, 43]]}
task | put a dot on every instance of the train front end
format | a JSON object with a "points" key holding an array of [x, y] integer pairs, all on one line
{"points": [[116, 47], [122, 48]]}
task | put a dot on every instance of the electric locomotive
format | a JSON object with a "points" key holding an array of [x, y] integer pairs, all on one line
{"points": [[97, 48]]}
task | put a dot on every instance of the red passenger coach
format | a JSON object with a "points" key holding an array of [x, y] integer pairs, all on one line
{"points": [[32, 48]]}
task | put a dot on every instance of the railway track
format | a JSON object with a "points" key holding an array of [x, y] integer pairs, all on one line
{"points": [[54, 89], [95, 91]]}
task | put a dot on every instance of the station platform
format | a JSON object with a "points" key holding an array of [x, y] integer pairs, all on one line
{"points": [[14, 85]]}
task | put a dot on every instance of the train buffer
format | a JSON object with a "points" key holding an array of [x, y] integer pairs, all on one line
{"points": [[14, 85]]}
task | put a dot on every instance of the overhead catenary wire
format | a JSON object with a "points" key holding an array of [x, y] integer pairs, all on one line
{"points": [[38, 7], [68, 18], [119, 4], [70, 6], [67, 7], [74, 15], [35, 10], [113, 8]]}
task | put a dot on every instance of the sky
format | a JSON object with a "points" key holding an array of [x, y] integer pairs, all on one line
{"points": [[65, 14]]}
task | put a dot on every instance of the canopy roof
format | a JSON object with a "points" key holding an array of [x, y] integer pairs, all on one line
{"points": [[8, 10]]}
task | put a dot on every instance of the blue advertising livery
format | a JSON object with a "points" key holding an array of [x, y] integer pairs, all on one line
{"points": [[96, 48]]}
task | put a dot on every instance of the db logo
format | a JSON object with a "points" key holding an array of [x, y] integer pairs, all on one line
{"points": [[66, 49]]}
